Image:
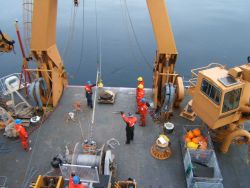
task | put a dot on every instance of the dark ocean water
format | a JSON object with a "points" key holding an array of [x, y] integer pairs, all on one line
{"points": [[205, 31]]}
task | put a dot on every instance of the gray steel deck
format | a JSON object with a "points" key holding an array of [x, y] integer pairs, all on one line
{"points": [[133, 160]]}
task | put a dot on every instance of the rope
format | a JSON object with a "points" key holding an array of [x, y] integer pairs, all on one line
{"points": [[135, 37], [100, 58], [34, 147], [82, 45], [98, 75], [96, 21], [80, 125], [71, 31], [33, 172], [70, 21], [94, 106], [91, 125], [112, 143], [129, 36]]}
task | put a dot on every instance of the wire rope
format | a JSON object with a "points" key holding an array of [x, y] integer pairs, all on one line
{"points": [[71, 32], [34, 147], [135, 37], [70, 28], [82, 44], [98, 72], [129, 36]]}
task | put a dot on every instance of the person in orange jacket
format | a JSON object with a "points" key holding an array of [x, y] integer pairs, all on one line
{"points": [[130, 121], [23, 135], [139, 92], [143, 112], [88, 93], [139, 95], [75, 182]]}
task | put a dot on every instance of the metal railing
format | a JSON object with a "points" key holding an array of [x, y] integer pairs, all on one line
{"points": [[3, 89], [194, 72]]}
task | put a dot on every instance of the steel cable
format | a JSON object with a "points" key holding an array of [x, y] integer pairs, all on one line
{"points": [[34, 147], [82, 44], [71, 32], [135, 37]]}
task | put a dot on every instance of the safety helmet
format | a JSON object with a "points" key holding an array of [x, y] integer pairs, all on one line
{"points": [[140, 86], [76, 180], [143, 100], [89, 82], [18, 121], [139, 78], [130, 114]]}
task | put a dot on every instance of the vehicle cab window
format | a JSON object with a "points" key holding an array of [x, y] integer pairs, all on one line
{"points": [[211, 91], [231, 100]]}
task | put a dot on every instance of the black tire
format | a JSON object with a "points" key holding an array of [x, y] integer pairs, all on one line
{"points": [[56, 162]]}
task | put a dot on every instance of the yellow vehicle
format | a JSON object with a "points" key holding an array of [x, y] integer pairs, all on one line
{"points": [[221, 98]]}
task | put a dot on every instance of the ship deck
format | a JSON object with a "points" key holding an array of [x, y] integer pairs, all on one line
{"points": [[132, 160]]}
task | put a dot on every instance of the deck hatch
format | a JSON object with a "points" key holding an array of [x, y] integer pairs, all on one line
{"points": [[228, 81]]}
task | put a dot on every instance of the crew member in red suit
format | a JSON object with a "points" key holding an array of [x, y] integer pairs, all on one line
{"points": [[139, 92], [74, 182], [143, 111], [139, 95], [23, 135], [88, 92], [130, 121]]}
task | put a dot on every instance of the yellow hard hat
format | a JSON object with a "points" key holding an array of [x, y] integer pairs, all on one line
{"points": [[139, 78], [100, 84], [140, 86]]}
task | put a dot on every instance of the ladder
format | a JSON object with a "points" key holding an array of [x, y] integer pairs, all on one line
{"points": [[27, 23]]}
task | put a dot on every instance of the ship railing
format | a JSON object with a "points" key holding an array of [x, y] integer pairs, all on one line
{"points": [[195, 72], [192, 82], [3, 88]]}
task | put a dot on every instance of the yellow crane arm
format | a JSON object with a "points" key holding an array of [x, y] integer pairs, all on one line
{"points": [[162, 27], [166, 55], [44, 24], [44, 49]]}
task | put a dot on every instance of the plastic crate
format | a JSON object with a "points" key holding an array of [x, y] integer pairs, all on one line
{"points": [[207, 185], [204, 132], [206, 157]]}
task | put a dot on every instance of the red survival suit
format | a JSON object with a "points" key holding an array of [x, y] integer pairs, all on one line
{"points": [[143, 113], [23, 135], [72, 185], [88, 93], [130, 121], [139, 94]]}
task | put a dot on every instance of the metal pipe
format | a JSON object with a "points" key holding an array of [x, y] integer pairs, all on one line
{"points": [[229, 138], [245, 109], [25, 64]]}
